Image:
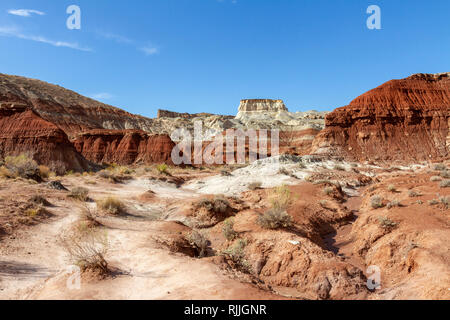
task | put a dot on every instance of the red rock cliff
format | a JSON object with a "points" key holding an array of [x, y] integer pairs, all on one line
{"points": [[23, 131], [406, 119], [124, 147]]}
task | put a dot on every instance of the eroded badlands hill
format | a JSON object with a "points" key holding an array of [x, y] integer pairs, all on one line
{"points": [[406, 119], [69, 110], [72, 132]]}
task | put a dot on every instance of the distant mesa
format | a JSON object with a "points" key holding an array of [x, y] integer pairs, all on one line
{"points": [[262, 105], [174, 115]]}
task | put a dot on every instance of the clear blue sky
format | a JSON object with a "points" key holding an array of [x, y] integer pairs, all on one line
{"points": [[206, 55]]}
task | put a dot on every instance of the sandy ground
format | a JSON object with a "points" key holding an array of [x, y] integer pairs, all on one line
{"points": [[34, 264]]}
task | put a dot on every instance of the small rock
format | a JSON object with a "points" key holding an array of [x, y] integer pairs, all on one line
{"points": [[57, 185]]}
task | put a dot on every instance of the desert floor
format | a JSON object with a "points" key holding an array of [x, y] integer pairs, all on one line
{"points": [[345, 218]]}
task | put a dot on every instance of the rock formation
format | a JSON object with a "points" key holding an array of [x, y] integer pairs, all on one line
{"points": [[69, 110], [261, 105], [23, 131], [406, 119], [174, 115], [66, 131], [124, 146]]}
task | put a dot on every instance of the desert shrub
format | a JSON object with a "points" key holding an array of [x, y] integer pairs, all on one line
{"points": [[87, 249], [280, 197], [225, 173], [88, 219], [445, 183], [69, 173], [439, 167], [387, 223], [413, 194], [393, 203], [108, 175], [444, 202], [44, 172], [284, 171], [376, 202], [301, 165], [162, 168], [275, 218], [199, 242], [111, 205], [419, 202], [435, 178], [236, 253], [121, 170], [104, 174], [433, 202], [255, 185], [35, 212], [22, 166], [339, 167], [328, 190], [228, 229], [40, 200], [218, 204], [5, 173], [323, 203], [445, 174], [79, 193], [392, 188]]}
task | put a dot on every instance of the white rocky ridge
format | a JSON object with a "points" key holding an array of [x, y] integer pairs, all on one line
{"points": [[252, 114]]}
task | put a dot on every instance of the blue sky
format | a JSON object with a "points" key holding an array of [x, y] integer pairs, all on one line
{"points": [[206, 55]]}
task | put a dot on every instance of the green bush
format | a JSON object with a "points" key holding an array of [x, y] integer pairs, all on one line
{"points": [[162, 168]]}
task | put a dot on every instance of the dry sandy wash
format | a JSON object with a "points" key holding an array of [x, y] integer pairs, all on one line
{"points": [[203, 233]]}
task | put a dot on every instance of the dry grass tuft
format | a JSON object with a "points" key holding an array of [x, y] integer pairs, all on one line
{"points": [[111, 205], [87, 249], [79, 193]]}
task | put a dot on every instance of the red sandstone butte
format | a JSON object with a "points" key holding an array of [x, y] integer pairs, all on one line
{"points": [[67, 131], [23, 131], [406, 119], [124, 147]]}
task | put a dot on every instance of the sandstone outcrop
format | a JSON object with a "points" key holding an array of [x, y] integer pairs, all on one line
{"points": [[124, 147], [104, 134], [174, 115], [23, 131], [406, 119], [264, 105]]}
